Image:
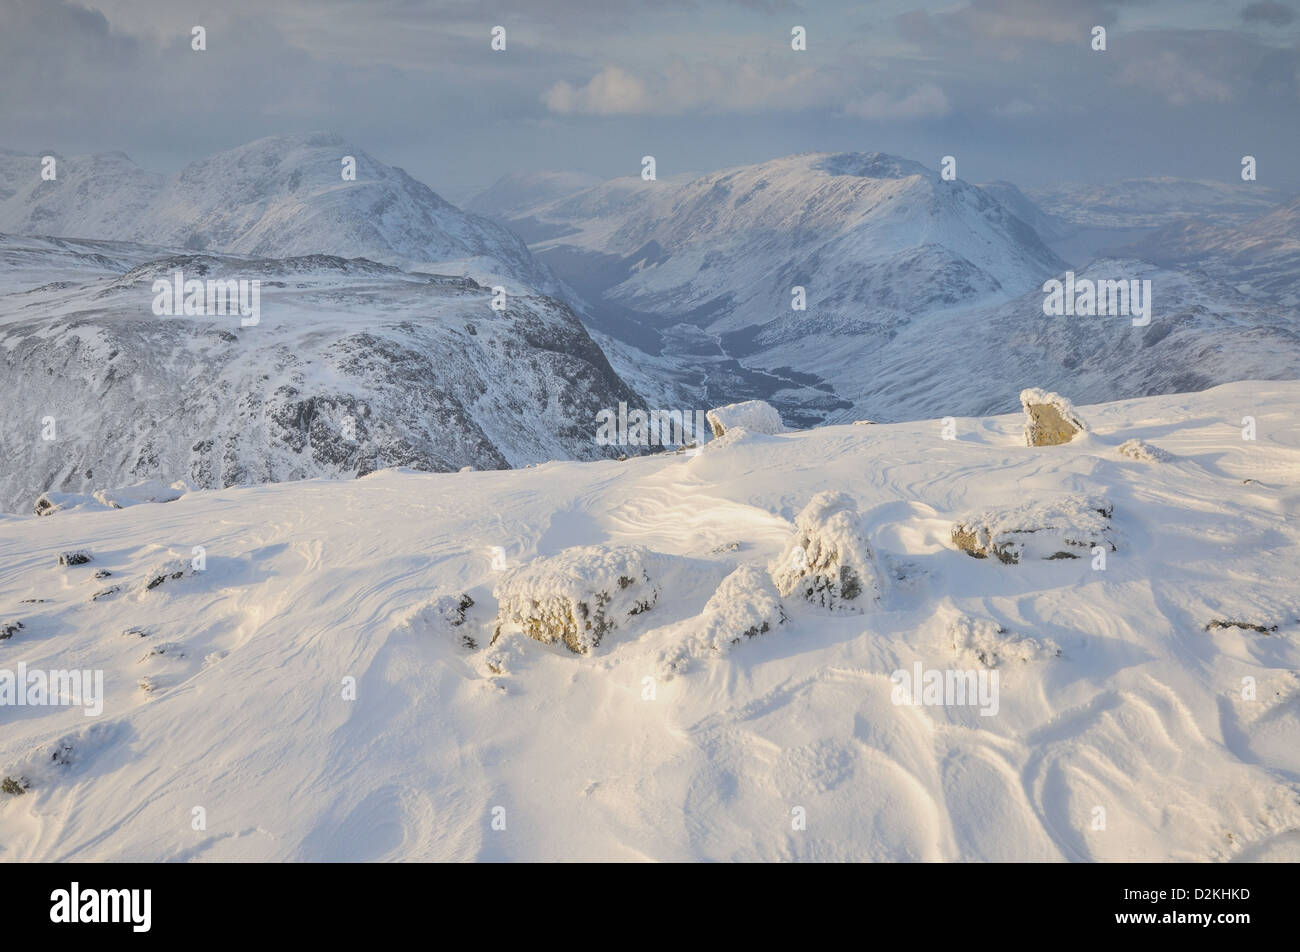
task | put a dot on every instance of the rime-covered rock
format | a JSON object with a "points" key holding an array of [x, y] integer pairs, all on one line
{"points": [[53, 501], [829, 561], [744, 606], [755, 416], [578, 596], [168, 570], [1064, 528], [1050, 419], [1143, 452], [990, 644], [149, 491]]}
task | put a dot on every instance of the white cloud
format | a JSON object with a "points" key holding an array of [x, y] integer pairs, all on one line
{"points": [[609, 92], [696, 87]]}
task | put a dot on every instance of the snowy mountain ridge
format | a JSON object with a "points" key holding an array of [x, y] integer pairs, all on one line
{"points": [[278, 197]]}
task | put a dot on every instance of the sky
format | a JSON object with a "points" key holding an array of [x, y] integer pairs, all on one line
{"points": [[1011, 88]]}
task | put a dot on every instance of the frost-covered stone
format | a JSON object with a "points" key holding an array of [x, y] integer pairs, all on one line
{"points": [[829, 561], [1055, 529], [9, 628], [990, 644], [756, 416], [167, 571], [1143, 452], [53, 501], [76, 557], [1050, 419], [577, 596], [153, 490], [744, 605], [442, 614]]}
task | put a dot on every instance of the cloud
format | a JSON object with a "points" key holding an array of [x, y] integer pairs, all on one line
{"points": [[609, 92], [683, 88], [1266, 11], [925, 102]]}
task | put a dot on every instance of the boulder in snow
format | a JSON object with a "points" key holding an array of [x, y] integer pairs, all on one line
{"points": [[53, 501], [1064, 528], [755, 416], [745, 605], [167, 571], [577, 596], [153, 490], [1050, 419], [76, 557], [829, 561]]}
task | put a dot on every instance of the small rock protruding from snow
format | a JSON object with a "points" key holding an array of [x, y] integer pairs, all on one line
{"points": [[9, 628], [755, 416], [745, 605], [990, 644], [76, 557], [1056, 529], [1050, 419], [167, 571], [1143, 452], [577, 596], [52, 501], [442, 614], [829, 561]]}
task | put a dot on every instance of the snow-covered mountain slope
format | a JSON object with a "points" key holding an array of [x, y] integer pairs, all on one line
{"points": [[1201, 334], [1260, 257], [354, 366], [278, 197], [1134, 719], [520, 191], [1155, 202], [1047, 227], [91, 196], [708, 267], [873, 238]]}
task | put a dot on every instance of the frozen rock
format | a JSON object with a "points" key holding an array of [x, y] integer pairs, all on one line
{"points": [[1050, 419], [829, 561], [1064, 528], [744, 605], [153, 490], [1143, 452], [756, 416], [577, 596], [53, 501]]}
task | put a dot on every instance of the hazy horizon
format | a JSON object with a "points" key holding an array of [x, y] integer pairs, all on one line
{"points": [[1012, 88]]}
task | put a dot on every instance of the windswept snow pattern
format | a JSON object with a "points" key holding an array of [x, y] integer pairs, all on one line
{"points": [[311, 686]]}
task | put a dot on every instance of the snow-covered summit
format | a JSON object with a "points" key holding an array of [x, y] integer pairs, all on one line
{"points": [[276, 197]]}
